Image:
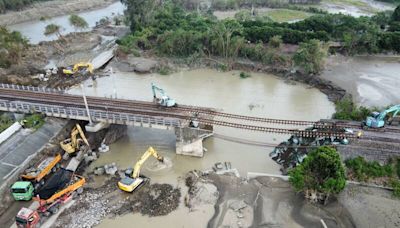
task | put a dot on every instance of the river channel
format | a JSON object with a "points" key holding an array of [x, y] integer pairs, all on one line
{"points": [[260, 95], [34, 30]]}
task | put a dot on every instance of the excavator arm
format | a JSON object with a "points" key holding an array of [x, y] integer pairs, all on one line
{"points": [[145, 156], [394, 109], [71, 145], [132, 182]]}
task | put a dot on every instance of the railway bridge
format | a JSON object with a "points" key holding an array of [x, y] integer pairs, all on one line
{"points": [[100, 112]]}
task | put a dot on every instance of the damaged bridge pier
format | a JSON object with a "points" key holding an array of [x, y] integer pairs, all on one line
{"points": [[189, 141]]}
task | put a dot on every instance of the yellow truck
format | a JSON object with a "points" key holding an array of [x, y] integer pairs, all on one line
{"points": [[41, 169]]}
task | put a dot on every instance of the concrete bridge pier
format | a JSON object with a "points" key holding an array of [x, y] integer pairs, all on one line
{"points": [[97, 126], [189, 141]]}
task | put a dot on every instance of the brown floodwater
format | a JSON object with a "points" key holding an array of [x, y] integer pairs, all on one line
{"points": [[261, 95]]}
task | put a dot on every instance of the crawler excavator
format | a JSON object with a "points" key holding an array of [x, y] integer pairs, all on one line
{"points": [[81, 68], [164, 100], [72, 145], [132, 178], [378, 119]]}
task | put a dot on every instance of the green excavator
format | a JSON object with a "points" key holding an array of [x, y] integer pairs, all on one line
{"points": [[379, 119], [164, 100]]}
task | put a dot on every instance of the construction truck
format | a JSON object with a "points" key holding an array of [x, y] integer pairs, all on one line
{"points": [[73, 144], [58, 190], [132, 179], [164, 100], [27, 218], [81, 68], [379, 119], [33, 178]]}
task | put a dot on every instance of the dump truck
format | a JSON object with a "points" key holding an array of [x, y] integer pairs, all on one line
{"points": [[33, 178], [41, 169], [58, 190]]}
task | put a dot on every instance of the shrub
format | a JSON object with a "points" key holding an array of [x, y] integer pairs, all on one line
{"points": [[364, 170]]}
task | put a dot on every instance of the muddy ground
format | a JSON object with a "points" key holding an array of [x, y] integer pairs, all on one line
{"points": [[49, 9], [109, 201], [70, 49]]}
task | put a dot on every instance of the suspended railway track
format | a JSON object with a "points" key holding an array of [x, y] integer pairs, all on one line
{"points": [[183, 112]]}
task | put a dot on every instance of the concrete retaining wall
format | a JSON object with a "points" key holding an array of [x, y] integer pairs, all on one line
{"points": [[9, 132]]}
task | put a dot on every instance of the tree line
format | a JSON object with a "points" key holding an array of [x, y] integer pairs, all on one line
{"points": [[16, 4]]}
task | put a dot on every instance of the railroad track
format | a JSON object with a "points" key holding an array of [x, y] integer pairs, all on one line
{"points": [[182, 112], [149, 105]]}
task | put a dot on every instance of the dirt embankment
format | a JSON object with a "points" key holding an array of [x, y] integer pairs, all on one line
{"points": [[49, 9]]}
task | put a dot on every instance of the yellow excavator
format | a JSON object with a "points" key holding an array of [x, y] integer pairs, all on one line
{"points": [[132, 180], [73, 144], [81, 68]]}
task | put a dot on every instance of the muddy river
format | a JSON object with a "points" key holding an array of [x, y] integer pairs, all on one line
{"points": [[373, 81], [260, 95], [34, 30]]}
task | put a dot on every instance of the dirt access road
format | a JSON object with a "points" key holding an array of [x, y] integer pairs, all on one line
{"points": [[50, 9]]}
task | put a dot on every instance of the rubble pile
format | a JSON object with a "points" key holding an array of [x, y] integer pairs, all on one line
{"points": [[293, 151]]}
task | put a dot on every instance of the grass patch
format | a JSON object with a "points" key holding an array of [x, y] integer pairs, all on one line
{"points": [[347, 110], [34, 121], [164, 70], [286, 15], [5, 122], [364, 170], [396, 188], [244, 75]]}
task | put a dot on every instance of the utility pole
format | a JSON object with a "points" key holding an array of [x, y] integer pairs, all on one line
{"points": [[86, 104], [114, 87]]}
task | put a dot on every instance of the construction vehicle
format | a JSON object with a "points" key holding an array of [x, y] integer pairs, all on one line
{"points": [[67, 183], [132, 179], [73, 144], [27, 218], [22, 190], [379, 119], [33, 178], [164, 100], [81, 68]]}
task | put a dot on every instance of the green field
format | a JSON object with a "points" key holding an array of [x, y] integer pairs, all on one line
{"points": [[286, 15]]}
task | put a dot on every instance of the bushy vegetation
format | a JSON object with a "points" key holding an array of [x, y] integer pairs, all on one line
{"points": [[347, 110], [79, 23], [169, 30], [364, 170], [34, 121], [321, 171], [5, 122], [12, 45], [15, 4]]}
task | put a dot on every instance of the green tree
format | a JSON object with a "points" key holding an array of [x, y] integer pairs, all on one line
{"points": [[53, 29], [12, 45], [275, 42], [396, 14], [321, 172], [78, 22], [140, 12], [225, 38], [310, 56]]}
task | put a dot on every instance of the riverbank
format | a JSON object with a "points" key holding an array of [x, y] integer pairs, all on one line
{"points": [[50, 9]]}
